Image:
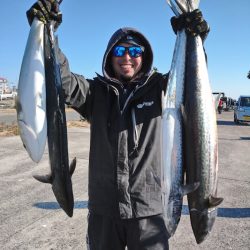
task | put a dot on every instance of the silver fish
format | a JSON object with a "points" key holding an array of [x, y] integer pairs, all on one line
{"points": [[172, 135], [201, 143], [61, 172], [30, 103]]}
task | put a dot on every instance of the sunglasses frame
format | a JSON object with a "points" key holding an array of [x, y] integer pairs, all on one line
{"points": [[132, 51]]}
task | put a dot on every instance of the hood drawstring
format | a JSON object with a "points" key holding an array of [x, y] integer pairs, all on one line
{"points": [[135, 132]]}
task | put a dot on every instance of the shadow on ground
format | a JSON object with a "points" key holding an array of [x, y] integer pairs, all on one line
{"points": [[232, 123], [228, 123], [226, 212], [245, 138], [235, 139], [54, 205], [222, 212]]}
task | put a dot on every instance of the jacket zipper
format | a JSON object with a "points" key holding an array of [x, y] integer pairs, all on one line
{"points": [[135, 132], [114, 88], [134, 91]]}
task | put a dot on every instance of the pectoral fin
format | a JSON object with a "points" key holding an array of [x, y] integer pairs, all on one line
{"points": [[48, 177], [72, 167], [189, 188], [183, 113], [44, 178]]}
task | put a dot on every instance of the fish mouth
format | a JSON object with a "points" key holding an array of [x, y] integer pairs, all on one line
{"points": [[202, 222]]}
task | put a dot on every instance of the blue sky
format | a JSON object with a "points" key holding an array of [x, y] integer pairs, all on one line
{"points": [[88, 25]]}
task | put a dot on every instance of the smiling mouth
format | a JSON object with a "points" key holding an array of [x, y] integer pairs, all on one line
{"points": [[126, 66]]}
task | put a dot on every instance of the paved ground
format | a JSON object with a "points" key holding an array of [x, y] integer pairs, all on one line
{"points": [[30, 218], [8, 116]]}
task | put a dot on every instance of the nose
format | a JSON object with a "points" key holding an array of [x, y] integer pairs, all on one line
{"points": [[127, 55]]}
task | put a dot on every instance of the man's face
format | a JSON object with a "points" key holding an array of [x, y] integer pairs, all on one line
{"points": [[126, 67]]}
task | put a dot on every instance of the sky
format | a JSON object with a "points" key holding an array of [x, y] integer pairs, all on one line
{"points": [[88, 25]]}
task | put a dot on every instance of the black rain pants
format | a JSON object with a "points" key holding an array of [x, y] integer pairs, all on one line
{"points": [[106, 233]]}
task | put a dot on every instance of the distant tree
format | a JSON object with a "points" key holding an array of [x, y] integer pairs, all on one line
{"points": [[248, 75]]}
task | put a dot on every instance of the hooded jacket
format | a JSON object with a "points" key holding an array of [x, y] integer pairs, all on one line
{"points": [[125, 134]]}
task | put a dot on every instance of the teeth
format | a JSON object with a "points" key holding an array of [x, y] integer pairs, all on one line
{"points": [[126, 66]]}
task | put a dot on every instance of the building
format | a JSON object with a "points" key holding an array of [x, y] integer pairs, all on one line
{"points": [[5, 90]]}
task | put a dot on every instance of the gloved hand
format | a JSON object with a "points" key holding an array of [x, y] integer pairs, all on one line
{"points": [[192, 22], [45, 11]]}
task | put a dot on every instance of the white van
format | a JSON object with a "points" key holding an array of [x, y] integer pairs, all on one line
{"points": [[242, 110]]}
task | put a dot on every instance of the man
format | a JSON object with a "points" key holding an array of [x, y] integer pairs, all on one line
{"points": [[220, 106], [123, 107]]}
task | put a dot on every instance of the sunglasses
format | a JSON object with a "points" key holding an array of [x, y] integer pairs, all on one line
{"points": [[133, 51]]}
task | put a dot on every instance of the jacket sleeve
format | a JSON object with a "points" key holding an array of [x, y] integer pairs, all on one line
{"points": [[76, 88]]}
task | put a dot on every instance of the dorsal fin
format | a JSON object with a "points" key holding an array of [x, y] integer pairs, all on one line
{"points": [[214, 201]]}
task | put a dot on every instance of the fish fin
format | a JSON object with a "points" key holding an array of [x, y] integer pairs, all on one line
{"points": [[214, 201], [183, 113], [189, 188], [72, 167], [182, 6], [44, 178]]}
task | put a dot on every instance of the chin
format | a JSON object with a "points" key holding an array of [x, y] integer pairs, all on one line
{"points": [[125, 77]]}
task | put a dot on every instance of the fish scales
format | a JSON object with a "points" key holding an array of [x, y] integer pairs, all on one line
{"points": [[57, 130], [30, 103], [61, 172], [172, 137], [201, 144], [41, 112], [200, 133], [172, 133]]}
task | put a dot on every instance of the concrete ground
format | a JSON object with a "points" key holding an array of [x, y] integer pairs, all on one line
{"points": [[30, 217]]}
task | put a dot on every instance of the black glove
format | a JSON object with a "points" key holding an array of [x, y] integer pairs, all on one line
{"points": [[46, 11], [192, 22]]}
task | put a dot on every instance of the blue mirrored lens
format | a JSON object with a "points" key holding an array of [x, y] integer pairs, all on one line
{"points": [[119, 51], [134, 51]]}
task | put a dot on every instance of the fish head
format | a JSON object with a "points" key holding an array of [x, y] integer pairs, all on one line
{"points": [[173, 214], [62, 188], [32, 143], [202, 222]]}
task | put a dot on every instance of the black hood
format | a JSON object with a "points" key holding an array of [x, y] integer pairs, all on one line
{"points": [[120, 35]]}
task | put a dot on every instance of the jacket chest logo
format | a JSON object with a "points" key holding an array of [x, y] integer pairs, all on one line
{"points": [[145, 104]]}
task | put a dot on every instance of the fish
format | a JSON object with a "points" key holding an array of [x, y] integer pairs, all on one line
{"points": [[61, 172], [201, 139], [31, 97], [172, 136]]}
